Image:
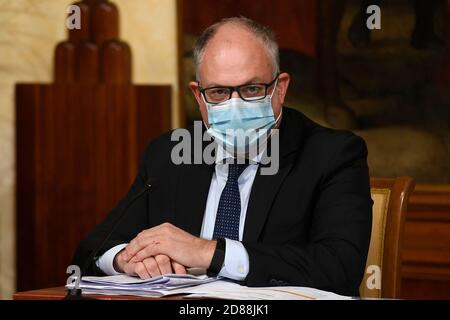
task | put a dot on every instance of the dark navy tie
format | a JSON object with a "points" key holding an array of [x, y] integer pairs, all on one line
{"points": [[229, 210]]}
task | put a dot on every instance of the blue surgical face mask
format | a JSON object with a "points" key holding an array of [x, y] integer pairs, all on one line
{"points": [[237, 124]]}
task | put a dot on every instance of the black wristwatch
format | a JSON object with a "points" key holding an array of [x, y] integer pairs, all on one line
{"points": [[217, 259]]}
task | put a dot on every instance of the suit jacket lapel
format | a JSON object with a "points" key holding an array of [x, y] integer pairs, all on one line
{"points": [[264, 190], [191, 196], [192, 192], [265, 187]]}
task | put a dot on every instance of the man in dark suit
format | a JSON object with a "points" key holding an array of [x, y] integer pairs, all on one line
{"points": [[308, 224]]}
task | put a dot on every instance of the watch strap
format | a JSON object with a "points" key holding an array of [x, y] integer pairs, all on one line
{"points": [[217, 259]]}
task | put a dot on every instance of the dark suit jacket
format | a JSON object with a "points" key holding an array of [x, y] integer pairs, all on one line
{"points": [[307, 225]]}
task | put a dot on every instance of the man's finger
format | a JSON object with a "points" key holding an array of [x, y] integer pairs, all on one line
{"points": [[153, 248], [146, 252], [142, 239], [128, 268], [141, 270], [164, 264], [178, 268], [137, 244], [141, 243], [134, 246], [152, 267]]}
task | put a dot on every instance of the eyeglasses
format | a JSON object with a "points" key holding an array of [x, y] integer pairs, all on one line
{"points": [[247, 92]]}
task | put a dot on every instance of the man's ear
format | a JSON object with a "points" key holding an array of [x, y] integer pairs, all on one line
{"points": [[282, 86], [194, 86]]}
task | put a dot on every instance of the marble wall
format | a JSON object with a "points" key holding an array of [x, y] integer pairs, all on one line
{"points": [[30, 30]]}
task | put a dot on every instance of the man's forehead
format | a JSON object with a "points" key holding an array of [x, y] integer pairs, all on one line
{"points": [[235, 82], [234, 77], [232, 58], [232, 37]]}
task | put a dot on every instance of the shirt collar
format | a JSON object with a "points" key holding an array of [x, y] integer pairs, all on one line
{"points": [[222, 155]]}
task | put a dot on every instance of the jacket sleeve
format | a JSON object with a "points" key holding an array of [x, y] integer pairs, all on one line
{"points": [[335, 255]]}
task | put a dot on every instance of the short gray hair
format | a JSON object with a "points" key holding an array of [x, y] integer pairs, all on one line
{"points": [[261, 32]]}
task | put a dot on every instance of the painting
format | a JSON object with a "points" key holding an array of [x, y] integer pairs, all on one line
{"points": [[384, 77]]}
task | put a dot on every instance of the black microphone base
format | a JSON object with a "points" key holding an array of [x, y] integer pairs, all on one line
{"points": [[76, 294]]}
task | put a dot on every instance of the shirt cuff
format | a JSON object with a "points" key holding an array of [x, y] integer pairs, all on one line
{"points": [[236, 264], [106, 261]]}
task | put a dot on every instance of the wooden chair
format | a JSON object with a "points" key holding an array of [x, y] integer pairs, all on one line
{"points": [[383, 267]]}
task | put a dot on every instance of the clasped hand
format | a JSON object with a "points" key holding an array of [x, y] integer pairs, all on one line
{"points": [[162, 250]]}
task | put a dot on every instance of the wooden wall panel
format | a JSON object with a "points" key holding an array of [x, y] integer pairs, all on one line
{"points": [[79, 143], [78, 150], [426, 249]]}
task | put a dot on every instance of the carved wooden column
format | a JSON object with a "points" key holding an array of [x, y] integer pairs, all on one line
{"points": [[79, 142]]}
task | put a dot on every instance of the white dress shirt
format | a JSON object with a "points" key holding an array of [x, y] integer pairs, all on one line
{"points": [[236, 263]]}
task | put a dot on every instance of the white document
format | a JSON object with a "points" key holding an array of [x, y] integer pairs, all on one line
{"points": [[223, 289], [199, 286]]}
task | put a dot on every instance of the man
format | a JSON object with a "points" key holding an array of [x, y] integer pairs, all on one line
{"points": [[306, 225]]}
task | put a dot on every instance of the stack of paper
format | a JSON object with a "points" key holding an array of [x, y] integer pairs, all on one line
{"points": [[199, 286], [153, 287], [223, 289]]}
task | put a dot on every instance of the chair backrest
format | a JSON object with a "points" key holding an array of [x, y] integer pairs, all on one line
{"points": [[382, 278]]}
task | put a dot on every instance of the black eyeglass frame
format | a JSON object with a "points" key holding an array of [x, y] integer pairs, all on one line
{"points": [[237, 89]]}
